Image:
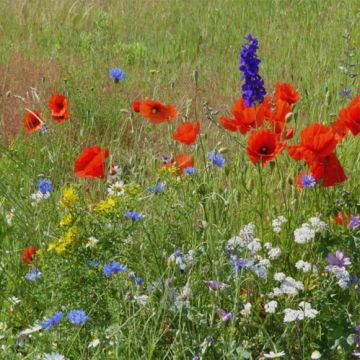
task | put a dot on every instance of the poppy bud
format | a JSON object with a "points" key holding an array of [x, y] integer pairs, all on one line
{"points": [[136, 106], [289, 133]]}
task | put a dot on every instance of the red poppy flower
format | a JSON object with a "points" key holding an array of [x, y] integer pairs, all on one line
{"points": [[340, 129], [156, 112], [136, 106], [328, 171], [263, 145], [182, 161], [278, 115], [230, 124], [58, 104], [32, 121], [91, 162], [317, 141], [29, 255], [342, 218], [351, 116], [289, 133], [286, 92], [187, 132]]}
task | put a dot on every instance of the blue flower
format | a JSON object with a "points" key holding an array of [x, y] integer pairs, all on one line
{"points": [[138, 280], [253, 87], [113, 268], [77, 317], [44, 186], [158, 188], [117, 74], [33, 275], [308, 181], [240, 263], [345, 93], [44, 129], [189, 170], [216, 158], [52, 321], [133, 215]]}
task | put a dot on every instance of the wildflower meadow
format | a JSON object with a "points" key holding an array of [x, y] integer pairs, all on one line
{"points": [[179, 179]]}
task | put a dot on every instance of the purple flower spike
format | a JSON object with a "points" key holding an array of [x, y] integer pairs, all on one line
{"points": [[339, 260], [216, 285]]}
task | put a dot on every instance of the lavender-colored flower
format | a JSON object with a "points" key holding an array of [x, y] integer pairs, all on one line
{"points": [[357, 328], [117, 74], [44, 186], [308, 181], [189, 170], [225, 316], [52, 321], [133, 215], [113, 268], [253, 87], [356, 339], [216, 158], [354, 222], [240, 263], [346, 93], [216, 285], [196, 357], [33, 275], [77, 317], [339, 260]]}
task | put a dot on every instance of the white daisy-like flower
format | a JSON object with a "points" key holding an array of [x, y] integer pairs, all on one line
{"points": [[274, 355], [271, 307], [53, 356], [94, 343], [316, 355], [116, 189], [92, 241]]}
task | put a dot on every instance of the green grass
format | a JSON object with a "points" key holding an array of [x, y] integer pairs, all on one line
{"points": [[69, 46]]}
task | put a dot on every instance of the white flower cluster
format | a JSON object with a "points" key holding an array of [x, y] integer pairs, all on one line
{"points": [[342, 276], [273, 252], [306, 267], [278, 223], [305, 311], [38, 196], [182, 260], [246, 311], [306, 232], [271, 307], [288, 286], [183, 299], [245, 237]]}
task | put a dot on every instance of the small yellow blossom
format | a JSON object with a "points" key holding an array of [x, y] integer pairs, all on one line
{"points": [[66, 239], [69, 196], [66, 220], [106, 205]]}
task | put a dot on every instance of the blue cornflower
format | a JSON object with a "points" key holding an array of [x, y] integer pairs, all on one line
{"points": [[308, 181], [253, 87], [138, 280], [158, 188], [133, 215], [345, 93], [113, 268], [77, 317], [117, 74], [240, 263], [52, 321], [190, 170], [216, 158], [33, 275], [44, 186], [44, 129]]}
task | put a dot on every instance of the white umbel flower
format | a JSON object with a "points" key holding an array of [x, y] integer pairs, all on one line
{"points": [[271, 307]]}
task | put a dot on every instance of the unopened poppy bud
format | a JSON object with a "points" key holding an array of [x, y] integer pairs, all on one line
{"points": [[289, 133], [136, 106]]}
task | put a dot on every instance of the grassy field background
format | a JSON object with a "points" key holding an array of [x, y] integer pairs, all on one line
{"points": [[164, 46]]}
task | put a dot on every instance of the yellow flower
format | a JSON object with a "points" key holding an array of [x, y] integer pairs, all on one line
{"points": [[66, 220], [69, 196], [171, 170], [106, 205], [67, 238]]}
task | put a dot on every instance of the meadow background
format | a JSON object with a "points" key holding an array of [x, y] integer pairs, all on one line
{"points": [[185, 53]]}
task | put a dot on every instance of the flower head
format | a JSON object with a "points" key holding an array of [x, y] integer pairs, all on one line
{"points": [[187, 132], [253, 87], [32, 121], [45, 186], [225, 316], [33, 275], [52, 321], [340, 260], [286, 92], [117, 74], [189, 170], [58, 104], [216, 285], [263, 145], [29, 255], [354, 222], [133, 215], [91, 162], [77, 317], [158, 188], [113, 268], [53, 356], [216, 158], [156, 112]]}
